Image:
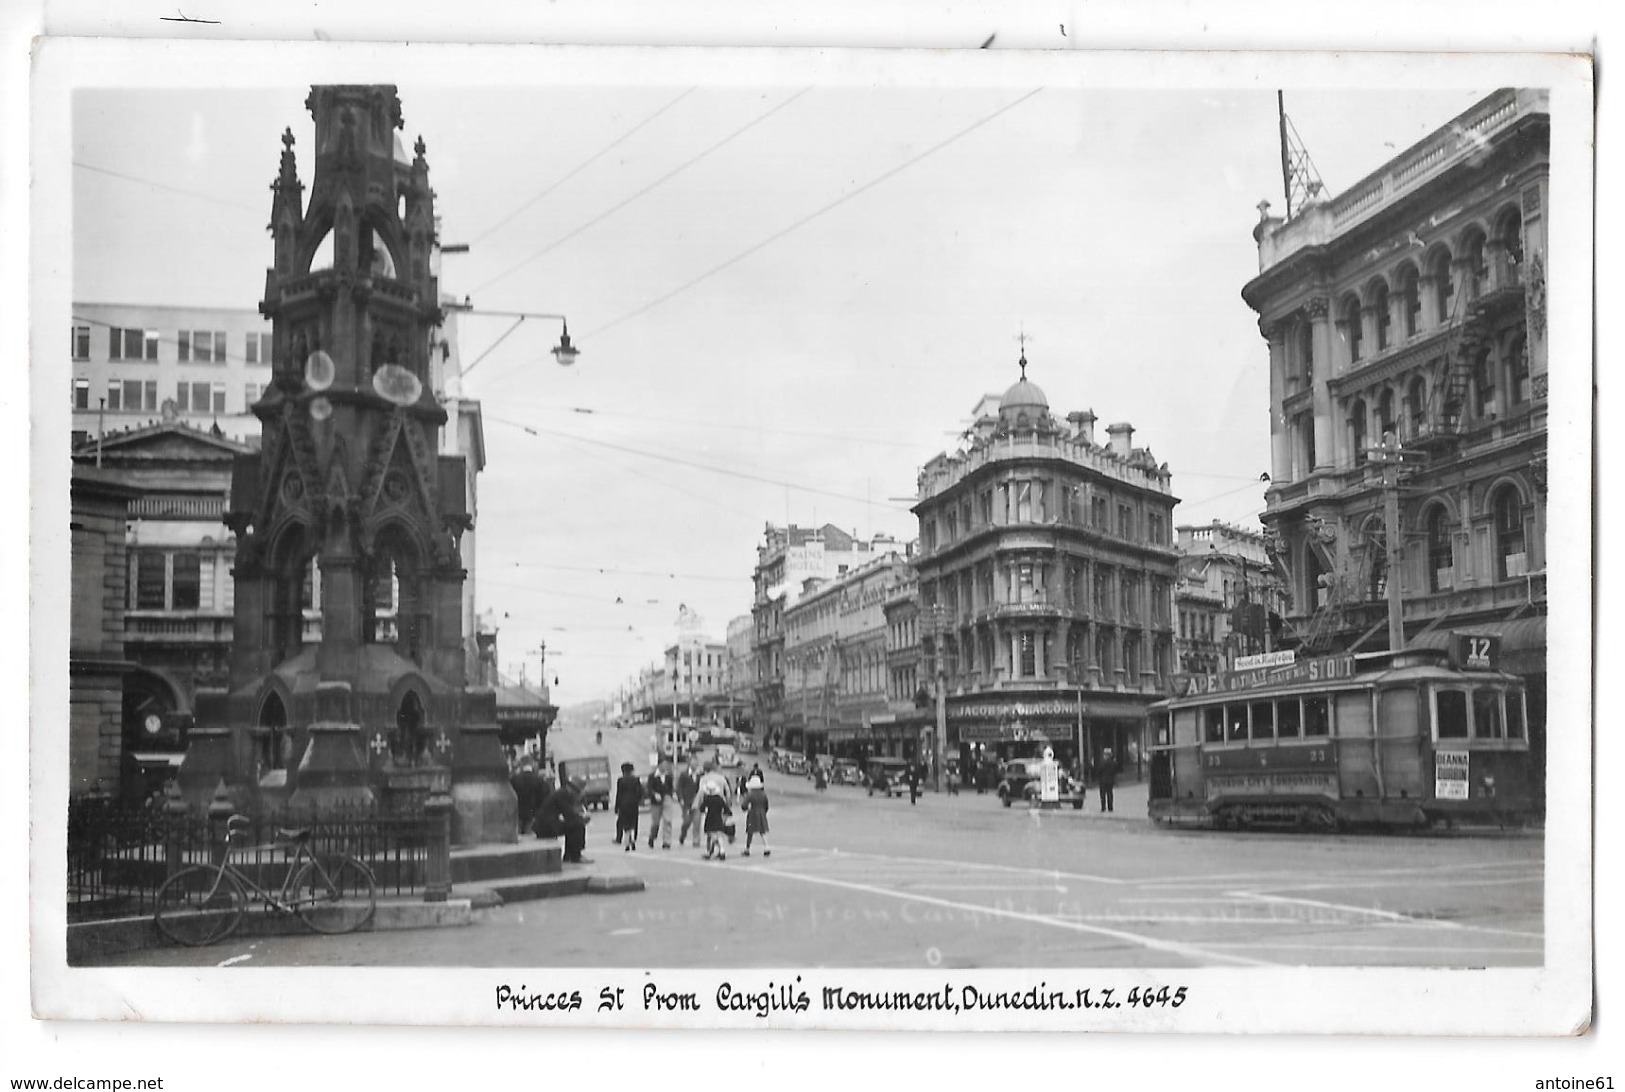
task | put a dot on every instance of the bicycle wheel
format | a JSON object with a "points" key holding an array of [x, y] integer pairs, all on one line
{"points": [[334, 894], [199, 905]]}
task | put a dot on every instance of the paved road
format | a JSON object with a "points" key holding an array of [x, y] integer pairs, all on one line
{"points": [[958, 881]]}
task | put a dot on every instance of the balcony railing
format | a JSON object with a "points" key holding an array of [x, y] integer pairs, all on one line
{"points": [[163, 627]]}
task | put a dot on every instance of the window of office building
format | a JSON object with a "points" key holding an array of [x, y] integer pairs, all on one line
{"points": [[140, 394], [186, 580], [81, 343], [149, 579], [201, 346], [128, 344], [81, 394], [257, 348]]}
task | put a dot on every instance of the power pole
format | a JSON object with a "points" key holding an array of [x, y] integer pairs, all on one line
{"points": [[1390, 456], [939, 624]]}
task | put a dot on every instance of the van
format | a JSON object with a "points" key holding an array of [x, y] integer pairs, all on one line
{"points": [[594, 774]]}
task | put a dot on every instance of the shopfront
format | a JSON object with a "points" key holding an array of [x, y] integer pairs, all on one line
{"points": [[984, 731]]}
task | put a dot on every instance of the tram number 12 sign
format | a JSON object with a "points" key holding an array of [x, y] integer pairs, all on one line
{"points": [[1475, 651]]}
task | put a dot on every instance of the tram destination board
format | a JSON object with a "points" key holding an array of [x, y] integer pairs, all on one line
{"points": [[1321, 670]]}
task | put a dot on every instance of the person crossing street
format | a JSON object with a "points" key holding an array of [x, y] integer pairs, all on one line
{"points": [[688, 789], [662, 804]]}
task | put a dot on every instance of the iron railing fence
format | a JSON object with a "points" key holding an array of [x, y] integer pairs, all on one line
{"points": [[119, 855]]}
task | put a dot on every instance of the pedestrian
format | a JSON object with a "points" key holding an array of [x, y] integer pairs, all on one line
{"points": [[1106, 776], [712, 784], [714, 806], [628, 796], [688, 790], [562, 816], [756, 815], [662, 804], [913, 783], [529, 790]]}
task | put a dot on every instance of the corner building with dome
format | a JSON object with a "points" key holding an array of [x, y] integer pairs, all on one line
{"points": [[1046, 580]]}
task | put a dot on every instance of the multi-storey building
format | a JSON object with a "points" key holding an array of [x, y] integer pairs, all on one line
{"points": [[1228, 596], [97, 668], [127, 361], [896, 732], [835, 656], [739, 673], [1046, 575], [695, 675], [1406, 322], [787, 558]]}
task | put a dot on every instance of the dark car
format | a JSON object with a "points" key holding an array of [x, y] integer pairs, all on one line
{"points": [[1020, 780], [887, 775], [594, 774]]}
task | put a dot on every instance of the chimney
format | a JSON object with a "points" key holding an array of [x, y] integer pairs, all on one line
{"points": [[1122, 434], [1083, 424]]}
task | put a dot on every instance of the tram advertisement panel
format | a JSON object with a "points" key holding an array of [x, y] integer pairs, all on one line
{"points": [[1323, 670], [1277, 783], [1450, 775]]}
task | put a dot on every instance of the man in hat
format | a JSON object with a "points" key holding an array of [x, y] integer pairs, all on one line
{"points": [[1106, 775], [561, 816], [688, 790], [628, 795]]}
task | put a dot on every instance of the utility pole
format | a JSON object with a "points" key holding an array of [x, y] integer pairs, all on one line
{"points": [[1390, 456], [938, 623]]}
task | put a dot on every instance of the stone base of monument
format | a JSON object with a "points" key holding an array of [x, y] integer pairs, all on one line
{"points": [[332, 773], [209, 764], [484, 808]]}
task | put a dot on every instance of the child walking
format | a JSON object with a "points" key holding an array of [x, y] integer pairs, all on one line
{"points": [[715, 808], [756, 815]]}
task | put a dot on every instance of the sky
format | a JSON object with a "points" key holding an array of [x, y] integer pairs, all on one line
{"points": [[787, 298]]}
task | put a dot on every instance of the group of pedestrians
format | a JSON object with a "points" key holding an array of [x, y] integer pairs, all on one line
{"points": [[551, 807], [697, 800]]}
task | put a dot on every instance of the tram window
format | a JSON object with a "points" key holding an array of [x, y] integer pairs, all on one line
{"points": [[1450, 714], [1213, 724], [1487, 714], [1264, 720], [1515, 711], [1317, 718], [1236, 717], [1287, 718]]}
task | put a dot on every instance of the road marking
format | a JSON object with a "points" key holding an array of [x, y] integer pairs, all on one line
{"points": [[624, 932], [1188, 951], [1454, 949], [235, 959], [1029, 870]]}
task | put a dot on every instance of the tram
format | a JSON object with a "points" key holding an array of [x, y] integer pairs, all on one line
{"points": [[1407, 739]]}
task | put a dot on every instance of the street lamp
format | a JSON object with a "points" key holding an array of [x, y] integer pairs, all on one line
{"points": [[564, 352]]}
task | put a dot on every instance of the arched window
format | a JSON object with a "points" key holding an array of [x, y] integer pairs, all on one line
{"points": [[1306, 349], [1410, 293], [1518, 372], [1472, 253], [1441, 563], [1444, 285], [1352, 327], [1509, 233], [1416, 407], [410, 744], [1385, 413], [276, 746], [1510, 559], [1379, 300], [1314, 595], [1483, 374], [1357, 430]]}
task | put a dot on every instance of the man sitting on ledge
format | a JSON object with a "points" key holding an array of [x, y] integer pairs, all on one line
{"points": [[562, 816]]}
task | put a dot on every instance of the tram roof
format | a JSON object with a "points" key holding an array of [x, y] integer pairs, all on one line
{"points": [[1370, 668]]}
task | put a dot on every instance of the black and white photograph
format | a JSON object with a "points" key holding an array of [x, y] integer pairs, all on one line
{"points": [[847, 540]]}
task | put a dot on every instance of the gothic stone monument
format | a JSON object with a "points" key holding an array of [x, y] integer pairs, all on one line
{"points": [[347, 678]]}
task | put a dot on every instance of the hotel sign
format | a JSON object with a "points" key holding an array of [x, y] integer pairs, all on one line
{"points": [[1265, 659], [1323, 670]]}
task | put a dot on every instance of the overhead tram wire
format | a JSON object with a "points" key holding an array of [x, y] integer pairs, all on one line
{"points": [[810, 217], [676, 488], [194, 194], [662, 180], [725, 471], [734, 426], [605, 150], [631, 572]]}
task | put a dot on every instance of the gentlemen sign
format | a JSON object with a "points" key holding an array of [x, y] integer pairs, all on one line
{"points": [[1323, 670]]}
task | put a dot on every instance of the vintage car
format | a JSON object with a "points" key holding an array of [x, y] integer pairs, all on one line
{"points": [[847, 772], [1020, 780], [887, 775], [594, 774]]}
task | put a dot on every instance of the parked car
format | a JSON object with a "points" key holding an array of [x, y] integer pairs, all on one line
{"points": [[846, 772], [594, 773], [887, 775], [795, 764]]}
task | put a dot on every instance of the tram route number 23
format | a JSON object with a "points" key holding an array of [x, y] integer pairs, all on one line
{"points": [[1313, 756]]}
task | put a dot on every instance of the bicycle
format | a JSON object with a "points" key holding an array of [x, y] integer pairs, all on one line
{"points": [[202, 904]]}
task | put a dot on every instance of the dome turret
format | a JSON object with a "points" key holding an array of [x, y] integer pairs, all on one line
{"points": [[1024, 404]]}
